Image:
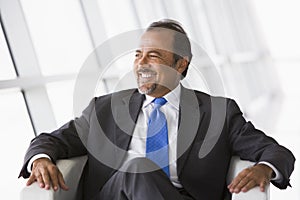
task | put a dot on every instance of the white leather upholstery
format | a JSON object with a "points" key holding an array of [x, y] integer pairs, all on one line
{"points": [[72, 169]]}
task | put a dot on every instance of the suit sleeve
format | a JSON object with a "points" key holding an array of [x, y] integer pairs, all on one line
{"points": [[65, 142], [252, 144]]}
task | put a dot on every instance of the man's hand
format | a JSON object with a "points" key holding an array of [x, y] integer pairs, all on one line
{"points": [[46, 174], [258, 175]]}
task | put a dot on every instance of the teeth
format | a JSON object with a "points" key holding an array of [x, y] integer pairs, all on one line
{"points": [[145, 75]]}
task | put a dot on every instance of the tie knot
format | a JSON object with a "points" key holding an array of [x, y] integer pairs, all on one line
{"points": [[159, 101]]}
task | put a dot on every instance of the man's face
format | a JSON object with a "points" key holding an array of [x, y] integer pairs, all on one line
{"points": [[154, 65]]}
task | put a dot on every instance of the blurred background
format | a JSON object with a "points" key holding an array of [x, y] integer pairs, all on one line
{"points": [[254, 45]]}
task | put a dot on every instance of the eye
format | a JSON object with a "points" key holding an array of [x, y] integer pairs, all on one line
{"points": [[138, 54], [153, 55]]}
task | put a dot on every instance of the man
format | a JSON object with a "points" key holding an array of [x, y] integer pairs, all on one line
{"points": [[147, 143]]}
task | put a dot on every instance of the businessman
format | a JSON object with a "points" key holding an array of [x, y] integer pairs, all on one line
{"points": [[148, 143]]}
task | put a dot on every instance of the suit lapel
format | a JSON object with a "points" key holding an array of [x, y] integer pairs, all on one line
{"points": [[126, 112], [189, 122]]}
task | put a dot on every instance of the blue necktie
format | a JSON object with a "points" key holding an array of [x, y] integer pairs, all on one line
{"points": [[157, 148]]}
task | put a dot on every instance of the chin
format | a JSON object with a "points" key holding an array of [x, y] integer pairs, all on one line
{"points": [[147, 90]]}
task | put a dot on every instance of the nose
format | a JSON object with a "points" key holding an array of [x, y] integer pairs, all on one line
{"points": [[142, 61]]}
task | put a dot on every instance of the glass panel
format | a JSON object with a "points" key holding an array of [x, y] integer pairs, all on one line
{"points": [[116, 77], [61, 99], [281, 30], [221, 26], [59, 34], [118, 19], [150, 11], [202, 30], [179, 11], [193, 18], [16, 133], [119, 74], [7, 70]]}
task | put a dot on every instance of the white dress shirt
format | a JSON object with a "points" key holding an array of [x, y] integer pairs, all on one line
{"points": [[137, 146]]}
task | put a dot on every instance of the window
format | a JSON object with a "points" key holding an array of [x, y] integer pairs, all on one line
{"points": [[59, 34], [118, 16], [63, 34], [16, 133], [7, 70]]}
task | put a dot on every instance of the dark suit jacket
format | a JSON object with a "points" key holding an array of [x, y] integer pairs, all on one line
{"points": [[211, 130]]}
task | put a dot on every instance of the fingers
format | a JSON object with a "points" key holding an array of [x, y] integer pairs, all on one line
{"points": [[262, 186], [248, 179], [251, 184], [46, 174], [52, 176], [43, 179], [31, 180], [53, 171], [41, 176], [57, 179], [62, 182], [240, 181]]}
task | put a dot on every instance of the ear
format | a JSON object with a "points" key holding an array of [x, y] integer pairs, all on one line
{"points": [[182, 64]]}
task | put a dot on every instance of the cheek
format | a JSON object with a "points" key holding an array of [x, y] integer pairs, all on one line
{"points": [[168, 72], [135, 68]]}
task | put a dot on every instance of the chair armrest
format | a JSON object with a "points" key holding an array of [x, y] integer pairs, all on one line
{"points": [[71, 170], [236, 166]]}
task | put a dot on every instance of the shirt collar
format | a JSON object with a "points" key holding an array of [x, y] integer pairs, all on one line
{"points": [[173, 98]]}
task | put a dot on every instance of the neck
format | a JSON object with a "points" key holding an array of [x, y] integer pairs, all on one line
{"points": [[162, 92]]}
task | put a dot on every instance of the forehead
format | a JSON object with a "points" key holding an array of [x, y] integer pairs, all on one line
{"points": [[157, 39]]}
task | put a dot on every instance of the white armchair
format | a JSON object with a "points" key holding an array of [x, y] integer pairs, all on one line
{"points": [[72, 169]]}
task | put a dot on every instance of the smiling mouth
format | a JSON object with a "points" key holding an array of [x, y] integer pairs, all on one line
{"points": [[146, 75]]}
